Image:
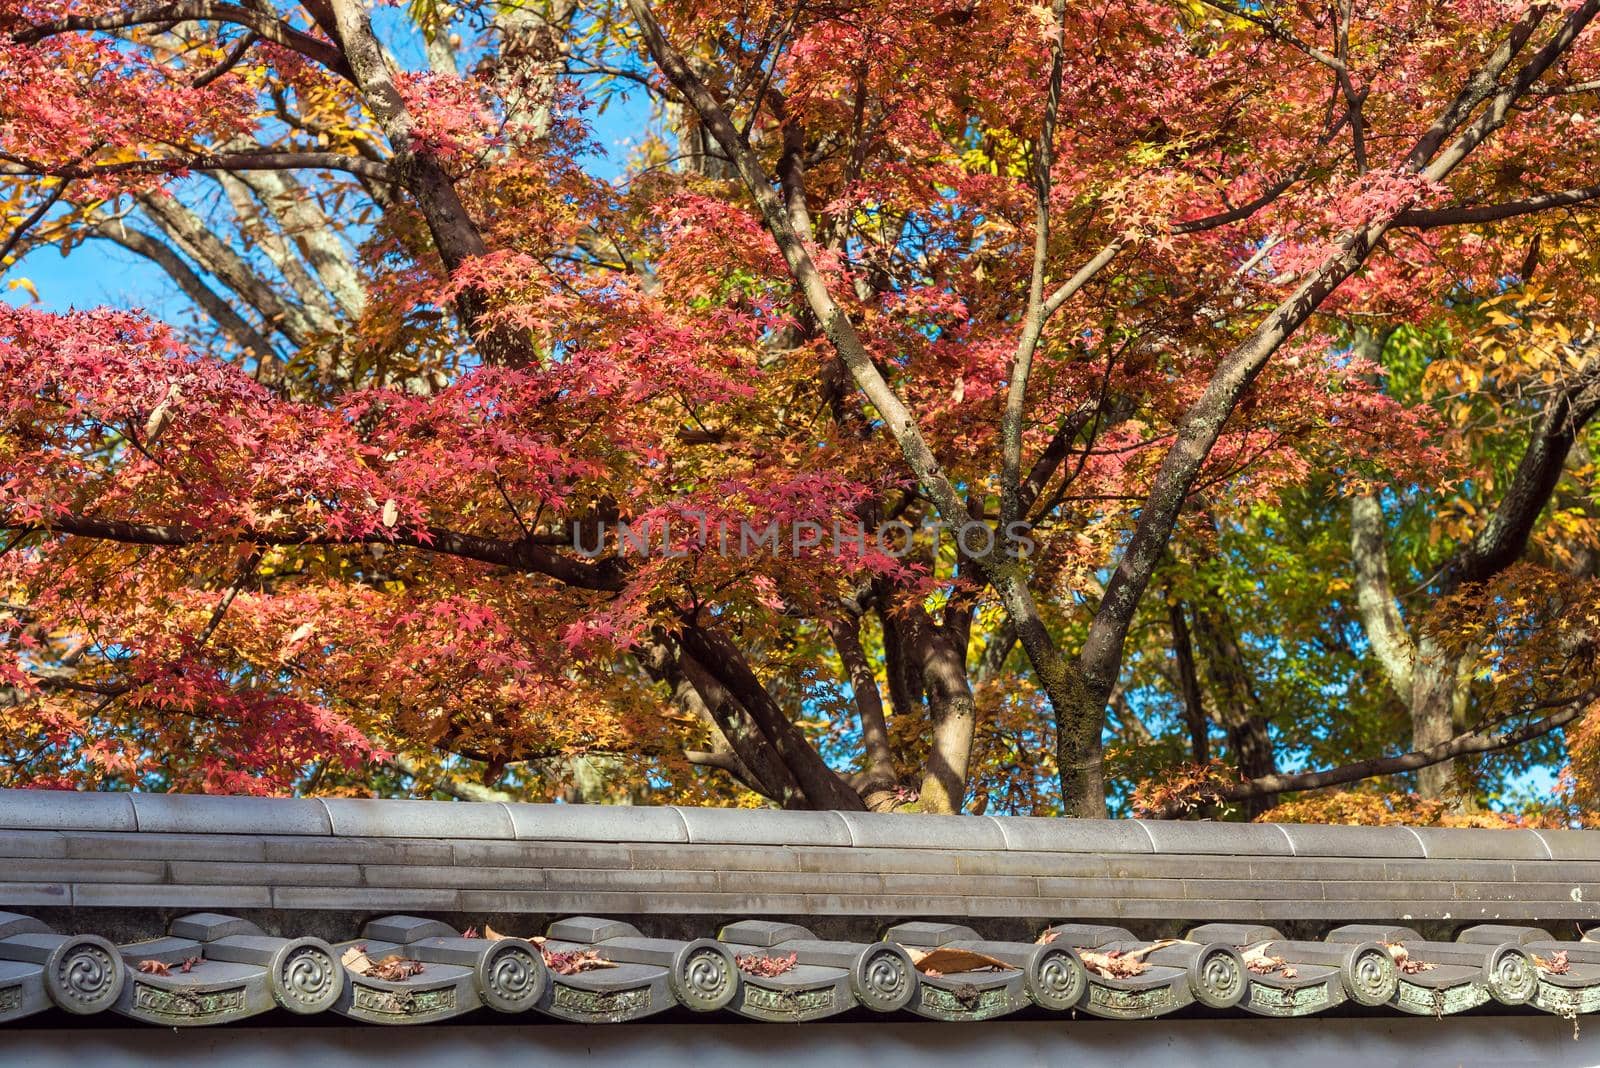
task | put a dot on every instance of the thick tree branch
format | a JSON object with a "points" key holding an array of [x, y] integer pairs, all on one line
{"points": [[1483, 740], [740, 748], [455, 234], [1505, 536], [202, 244], [260, 23], [823, 788], [1194, 711], [229, 321], [1421, 219], [524, 555], [846, 633], [264, 160]]}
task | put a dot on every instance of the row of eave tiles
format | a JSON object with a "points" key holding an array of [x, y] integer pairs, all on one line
{"points": [[212, 968]]}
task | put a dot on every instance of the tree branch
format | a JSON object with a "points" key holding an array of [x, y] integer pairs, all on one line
{"points": [[846, 633], [1011, 419], [522, 555], [264, 160], [228, 320], [1505, 536], [30, 220], [1483, 740], [1510, 209], [823, 788], [260, 23]]}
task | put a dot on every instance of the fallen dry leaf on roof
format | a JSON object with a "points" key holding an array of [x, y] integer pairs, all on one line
{"points": [[155, 967], [190, 962], [1113, 965], [946, 961], [392, 968], [1555, 965], [492, 935], [1119, 964], [1047, 937], [575, 961], [355, 958], [1403, 961], [470, 932], [760, 964], [1255, 958]]}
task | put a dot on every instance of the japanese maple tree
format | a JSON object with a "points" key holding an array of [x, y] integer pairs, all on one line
{"points": [[1138, 280]]}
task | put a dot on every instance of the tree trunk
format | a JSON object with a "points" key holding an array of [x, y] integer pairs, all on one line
{"points": [[1237, 706], [722, 660], [1194, 711], [1433, 699], [954, 715], [879, 770]]}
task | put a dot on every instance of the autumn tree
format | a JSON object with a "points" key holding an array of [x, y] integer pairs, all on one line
{"points": [[1099, 275]]}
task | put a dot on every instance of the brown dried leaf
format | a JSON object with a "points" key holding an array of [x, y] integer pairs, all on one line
{"points": [[394, 968], [948, 961], [1555, 965], [1047, 937], [1113, 965], [190, 962], [155, 967], [1255, 958], [1403, 961], [760, 964], [492, 935], [1118, 964], [470, 932], [1288, 972], [355, 958], [575, 961]]}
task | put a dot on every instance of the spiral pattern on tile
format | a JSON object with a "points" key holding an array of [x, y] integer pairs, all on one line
{"points": [[306, 978], [1512, 979], [1370, 976], [885, 979], [84, 975], [512, 976], [705, 976], [1056, 978], [1218, 977]]}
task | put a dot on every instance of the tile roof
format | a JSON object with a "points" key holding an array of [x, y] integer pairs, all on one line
{"points": [[181, 910]]}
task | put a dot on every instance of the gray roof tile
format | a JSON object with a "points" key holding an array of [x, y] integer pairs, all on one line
{"points": [[417, 819], [198, 813], [761, 881], [66, 810], [597, 823], [885, 830]]}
